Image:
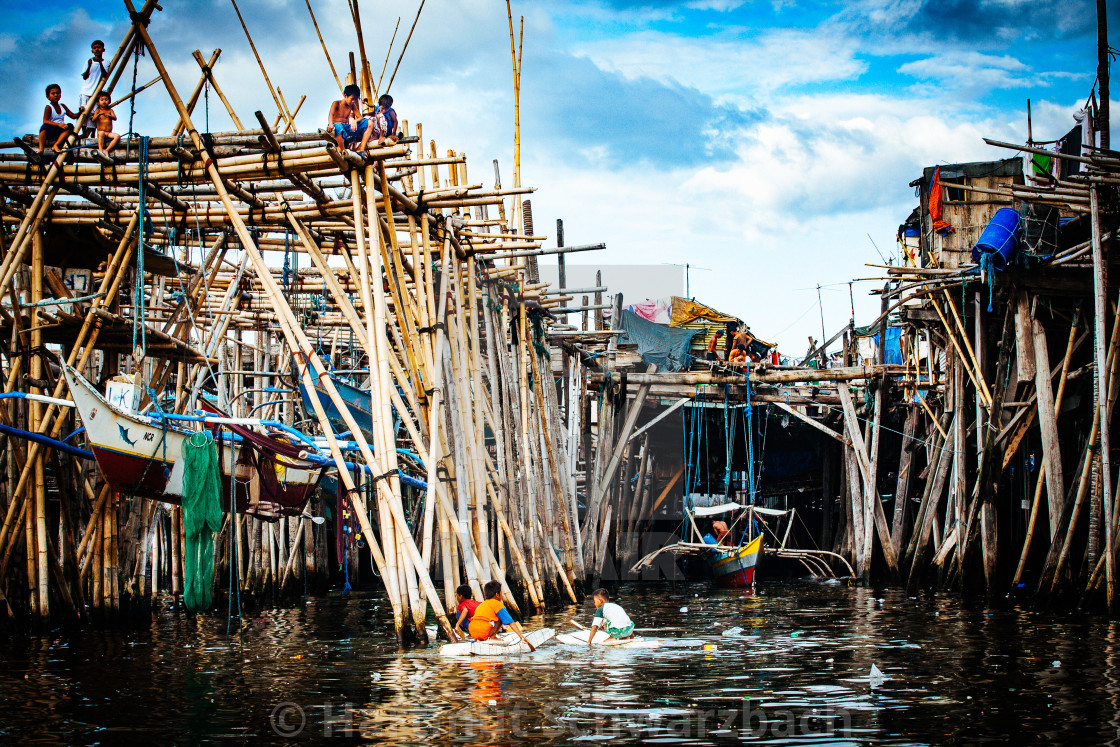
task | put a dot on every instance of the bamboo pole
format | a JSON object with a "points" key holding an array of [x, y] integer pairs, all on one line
{"points": [[297, 339], [324, 45], [260, 64]]}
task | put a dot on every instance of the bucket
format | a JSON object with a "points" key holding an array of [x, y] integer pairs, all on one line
{"points": [[1000, 238]]}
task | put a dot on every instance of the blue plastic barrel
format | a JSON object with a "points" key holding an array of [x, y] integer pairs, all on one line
{"points": [[1000, 238]]}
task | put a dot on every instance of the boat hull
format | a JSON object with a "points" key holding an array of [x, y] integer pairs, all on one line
{"points": [[735, 569], [142, 456]]}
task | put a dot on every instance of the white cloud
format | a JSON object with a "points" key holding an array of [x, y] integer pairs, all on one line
{"points": [[786, 204], [731, 64], [971, 70]]}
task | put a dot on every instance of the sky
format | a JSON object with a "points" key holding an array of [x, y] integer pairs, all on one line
{"points": [[769, 144]]}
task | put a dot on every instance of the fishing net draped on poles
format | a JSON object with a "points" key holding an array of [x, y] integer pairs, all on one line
{"points": [[202, 518]]}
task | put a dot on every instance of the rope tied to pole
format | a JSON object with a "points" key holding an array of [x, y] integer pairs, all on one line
{"points": [[139, 332]]}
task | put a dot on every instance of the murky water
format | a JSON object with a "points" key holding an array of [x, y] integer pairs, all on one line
{"points": [[789, 664]]}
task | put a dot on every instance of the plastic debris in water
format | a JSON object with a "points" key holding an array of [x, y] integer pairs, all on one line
{"points": [[709, 647], [795, 634], [876, 677], [375, 676], [732, 631], [493, 702], [1056, 663], [684, 609]]}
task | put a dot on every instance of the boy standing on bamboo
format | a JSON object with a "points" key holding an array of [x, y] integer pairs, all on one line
{"points": [[91, 76]]}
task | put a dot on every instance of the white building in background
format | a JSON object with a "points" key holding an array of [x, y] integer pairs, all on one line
{"points": [[637, 283]]}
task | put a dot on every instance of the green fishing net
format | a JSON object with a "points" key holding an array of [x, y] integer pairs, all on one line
{"points": [[202, 517]]}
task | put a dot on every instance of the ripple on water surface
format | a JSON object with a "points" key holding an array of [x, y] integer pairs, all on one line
{"points": [[788, 664]]}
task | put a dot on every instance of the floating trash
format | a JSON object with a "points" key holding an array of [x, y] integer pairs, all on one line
{"points": [[1056, 664], [684, 609], [733, 632], [876, 677]]}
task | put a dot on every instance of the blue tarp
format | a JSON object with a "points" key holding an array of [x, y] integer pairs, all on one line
{"points": [[893, 350], [664, 346]]}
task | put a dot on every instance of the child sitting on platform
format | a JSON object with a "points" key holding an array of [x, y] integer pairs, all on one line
{"points": [[386, 119], [342, 112], [490, 616], [102, 118], [611, 617], [55, 128], [465, 607]]}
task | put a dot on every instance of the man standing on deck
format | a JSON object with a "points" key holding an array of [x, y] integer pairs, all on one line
{"points": [[713, 344]]}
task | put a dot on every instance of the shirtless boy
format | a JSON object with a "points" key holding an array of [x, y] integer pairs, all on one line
{"points": [[103, 118], [342, 112]]}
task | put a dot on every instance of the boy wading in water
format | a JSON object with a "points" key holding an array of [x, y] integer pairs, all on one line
{"points": [[491, 615], [55, 128], [610, 617]]}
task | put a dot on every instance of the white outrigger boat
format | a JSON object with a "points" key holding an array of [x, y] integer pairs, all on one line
{"points": [[602, 638]]}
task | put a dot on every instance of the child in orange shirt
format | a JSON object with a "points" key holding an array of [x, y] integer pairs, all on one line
{"points": [[490, 616]]}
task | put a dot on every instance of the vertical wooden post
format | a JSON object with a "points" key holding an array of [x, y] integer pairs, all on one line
{"points": [[1048, 426], [42, 562], [1100, 310]]}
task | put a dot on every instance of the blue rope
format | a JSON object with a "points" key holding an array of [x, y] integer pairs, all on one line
{"points": [[138, 330], [988, 267], [287, 260]]}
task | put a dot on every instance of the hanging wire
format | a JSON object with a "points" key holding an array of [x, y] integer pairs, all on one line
{"points": [[139, 332]]}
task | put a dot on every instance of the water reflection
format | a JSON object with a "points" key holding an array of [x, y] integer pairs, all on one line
{"points": [[789, 664]]}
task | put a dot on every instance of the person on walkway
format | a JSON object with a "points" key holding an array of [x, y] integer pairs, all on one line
{"points": [[491, 616], [609, 616], [743, 337], [713, 345]]}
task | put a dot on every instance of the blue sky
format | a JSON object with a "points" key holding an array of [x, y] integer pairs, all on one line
{"points": [[762, 140]]}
